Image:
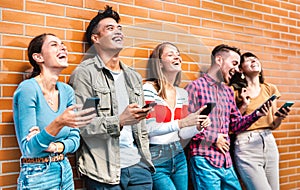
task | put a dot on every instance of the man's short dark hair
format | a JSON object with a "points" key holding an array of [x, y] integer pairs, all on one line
{"points": [[224, 48], [93, 26]]}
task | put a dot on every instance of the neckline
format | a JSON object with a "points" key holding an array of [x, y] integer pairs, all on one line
{"points": [[44, 99]]}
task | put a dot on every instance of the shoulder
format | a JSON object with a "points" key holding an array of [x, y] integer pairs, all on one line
{"points": [[148, 87], [65, 87], [181, 91], [271, 88], [129, 71], [198, 81], [269, 85], [26, 90], [86, 65], [28, 85]]}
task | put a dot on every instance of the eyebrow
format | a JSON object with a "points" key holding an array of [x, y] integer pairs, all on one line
{"points": [[53, 41], [109, 25]]}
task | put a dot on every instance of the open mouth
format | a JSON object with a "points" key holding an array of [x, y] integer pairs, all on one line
{"points": [[118, 39], [62, 56]]}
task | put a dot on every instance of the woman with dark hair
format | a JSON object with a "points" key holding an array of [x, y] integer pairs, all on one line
{"points": [[255, 150], [46, 119], [169, 120]]}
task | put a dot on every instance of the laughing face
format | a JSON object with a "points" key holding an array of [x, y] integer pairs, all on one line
{"points": [[109, 36], [229, 65], [171, 59], [54, 53], [251, 65]]}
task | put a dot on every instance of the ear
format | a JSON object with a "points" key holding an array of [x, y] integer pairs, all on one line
{"points": [[160, 65], [38, 57], [219, 60], [95, 38]]}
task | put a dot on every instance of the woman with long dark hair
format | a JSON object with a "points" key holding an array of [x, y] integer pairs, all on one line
{"points": [[255, 150], [46, 118]]}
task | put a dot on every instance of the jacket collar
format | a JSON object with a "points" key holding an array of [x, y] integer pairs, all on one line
{"points": [[100, 64]]}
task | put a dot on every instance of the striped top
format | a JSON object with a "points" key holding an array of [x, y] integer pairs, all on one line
{"points": [[162, 121]]}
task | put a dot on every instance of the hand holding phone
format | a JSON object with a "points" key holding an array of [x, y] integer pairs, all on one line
{"points": [[92, 102], [285, 105], [272, 98], [208, 109]]}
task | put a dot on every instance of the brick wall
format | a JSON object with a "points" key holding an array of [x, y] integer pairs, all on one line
{"points": [[268, 28]]}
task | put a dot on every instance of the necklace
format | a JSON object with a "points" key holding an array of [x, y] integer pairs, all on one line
{"points": [[50, 99], [50, 94]]}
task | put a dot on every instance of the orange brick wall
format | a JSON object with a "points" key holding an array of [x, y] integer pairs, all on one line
{"points": [[269, 28]]}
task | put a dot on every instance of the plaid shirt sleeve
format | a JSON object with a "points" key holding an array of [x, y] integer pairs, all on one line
{"points": [[240, 123]]}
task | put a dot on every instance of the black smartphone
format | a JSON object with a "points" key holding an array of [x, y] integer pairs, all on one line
{"points": [[92, 102], [285, 105], [152, 104], [208, 109], [272, 98]]}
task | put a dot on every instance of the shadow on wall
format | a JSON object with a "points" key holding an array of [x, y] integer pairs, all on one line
{"points": [[141, 39]]}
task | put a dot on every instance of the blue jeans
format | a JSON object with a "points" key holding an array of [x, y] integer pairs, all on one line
{"points": [[257, 159], [207, 177], [136, 177], [51, 175], [171, 167]]}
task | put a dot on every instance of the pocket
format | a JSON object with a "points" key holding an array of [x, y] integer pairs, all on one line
{"points": [[32, 176], [34, 170], [105, 99], [155, 153]]}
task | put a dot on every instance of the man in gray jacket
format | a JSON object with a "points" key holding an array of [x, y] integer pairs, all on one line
{"points": [[114, 151]]}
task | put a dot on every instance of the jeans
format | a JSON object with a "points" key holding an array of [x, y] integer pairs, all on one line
{"points": [[48, 176], [257, 159], [207, 177], [136, 177], [171, 167]]}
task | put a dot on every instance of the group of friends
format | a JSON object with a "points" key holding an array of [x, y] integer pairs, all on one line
{"points": [[127, 146]]}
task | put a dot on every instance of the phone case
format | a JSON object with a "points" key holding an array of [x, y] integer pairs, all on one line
{"points": [[92, 102], [152, 104], [273, 97], [285, 105], [208, 109]]}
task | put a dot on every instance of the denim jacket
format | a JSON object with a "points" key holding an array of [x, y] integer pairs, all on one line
{"points": [[99, 154]]}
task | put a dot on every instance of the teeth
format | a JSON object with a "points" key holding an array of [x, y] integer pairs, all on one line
{"points": [[62, 55]]}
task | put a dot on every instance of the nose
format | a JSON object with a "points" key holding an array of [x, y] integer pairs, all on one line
{"points": [[236, 68], [63, 47], [178, 57], [119, 32]]}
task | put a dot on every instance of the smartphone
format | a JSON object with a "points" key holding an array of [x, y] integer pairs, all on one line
{"points": [[272, 98], [151, 104], [285, 105], [92, 102], [207, 110]]}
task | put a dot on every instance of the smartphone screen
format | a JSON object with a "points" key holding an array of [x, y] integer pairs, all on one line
{"points": [[207, 110], [92, 102]]}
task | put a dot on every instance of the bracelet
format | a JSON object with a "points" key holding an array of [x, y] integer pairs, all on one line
{"points": [[63, 146], [56, 148]]}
